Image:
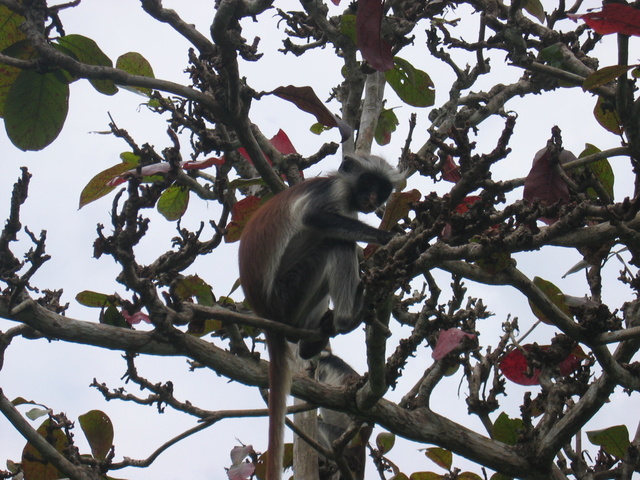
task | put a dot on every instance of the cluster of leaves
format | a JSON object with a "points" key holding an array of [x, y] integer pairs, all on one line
{"points": [[57, 430], [34, 103]]}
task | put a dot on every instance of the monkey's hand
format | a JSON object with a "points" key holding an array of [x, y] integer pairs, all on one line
{"points": [[385, 237]]}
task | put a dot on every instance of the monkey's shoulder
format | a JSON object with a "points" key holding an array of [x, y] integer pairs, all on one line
{"points": [[314, 194], [286, 214], [317, 187]]}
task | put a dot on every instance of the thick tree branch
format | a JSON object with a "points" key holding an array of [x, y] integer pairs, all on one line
{"points": [[188, 31]]}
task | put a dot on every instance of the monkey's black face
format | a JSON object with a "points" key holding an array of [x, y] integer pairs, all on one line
{"points": [[370, 192]]}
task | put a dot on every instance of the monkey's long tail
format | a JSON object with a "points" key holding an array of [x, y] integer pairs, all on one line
{"points": [[279, 386]]}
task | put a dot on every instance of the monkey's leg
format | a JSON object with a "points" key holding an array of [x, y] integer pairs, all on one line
{"points": [[322, 319], [300, 287], [345, 287]]}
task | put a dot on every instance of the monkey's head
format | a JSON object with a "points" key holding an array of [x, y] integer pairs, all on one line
{"points": [[371, 180]]}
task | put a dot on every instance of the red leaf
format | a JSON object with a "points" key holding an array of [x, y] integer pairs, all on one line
{"points": [[613, 18], [572, 362], [448, 340], [244, 153], [238, 454], [135, 318], [451, 171], [306, 100], [199, 165], [463, 207], [240, 214], [543, 183], [514, 365], [282, 143], [397, 207], [242, 471], [243, 209], [368, 34]]}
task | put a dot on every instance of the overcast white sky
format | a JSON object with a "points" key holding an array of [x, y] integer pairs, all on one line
{"points": [[58, 374]]}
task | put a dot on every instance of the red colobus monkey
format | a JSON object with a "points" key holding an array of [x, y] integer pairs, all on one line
{"points": [[336, 372], [332, 424], [298, 252]]}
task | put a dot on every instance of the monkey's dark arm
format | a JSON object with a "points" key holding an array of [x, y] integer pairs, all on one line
{"points": [[334, 225]]}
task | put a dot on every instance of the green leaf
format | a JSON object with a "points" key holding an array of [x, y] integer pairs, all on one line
{"points": [[95, 299], [605, 75], [130, 158], [245, 182], [413, 86], [200, 328], [36, 108], [317, 128], [507, 430], [613, 440], [387, 123], [554, 294], [36, 467], [10, 31], [8, 74], [535, 8], [69, 78], [99, 186], [424, 476], [348, 26], [287, 456], [385, 442], [98, 429], [440, 456], [494, 262], [87, 51], [13, 467], [173, 202], [111, 316], [136, 64], [236, 285], [12, 44], [500, 476], [469, 476], [607, 116], [193, 286], [553, 56], [399, 476], [601, 170], [35, 413]]}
